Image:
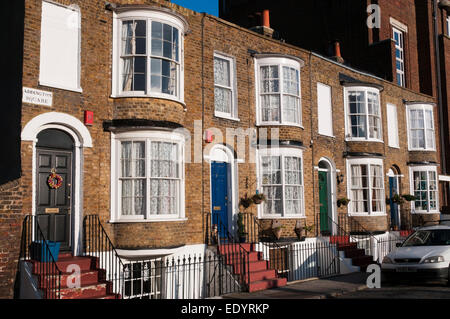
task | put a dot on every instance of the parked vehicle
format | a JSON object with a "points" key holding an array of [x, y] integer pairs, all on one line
{"points": [[424, 254]]}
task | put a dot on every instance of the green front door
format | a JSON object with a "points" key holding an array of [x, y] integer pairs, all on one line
{"points": [[323, 199]]}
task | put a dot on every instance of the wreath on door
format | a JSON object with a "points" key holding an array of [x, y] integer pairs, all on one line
{"points": [[54, 180]]}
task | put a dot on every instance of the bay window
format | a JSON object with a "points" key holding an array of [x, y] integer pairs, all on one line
{"points": [[148, 176], [363, 120], [148, 59], [278, 91], [424, 188], [281, 181], [420, 123], [365, 186]]}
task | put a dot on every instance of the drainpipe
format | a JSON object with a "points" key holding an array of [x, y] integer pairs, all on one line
{"points": [[439, 96], [203, 119], [312, 148], [439, 87]]}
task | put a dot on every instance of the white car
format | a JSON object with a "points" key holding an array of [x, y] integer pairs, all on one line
{"points": [[424, 254]]}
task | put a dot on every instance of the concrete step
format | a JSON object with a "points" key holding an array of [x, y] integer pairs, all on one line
{"points": [[351, 252], [235, 257], [252, 266], [260, 275], [84, 292], [85, 263]]}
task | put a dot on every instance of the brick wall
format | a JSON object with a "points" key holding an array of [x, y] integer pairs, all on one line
{"points": [[208, 34]]}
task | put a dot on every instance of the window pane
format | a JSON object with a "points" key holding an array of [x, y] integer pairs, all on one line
{"points": [[156, 30], [270, 108], [222, 100], [291, 109], [222, 72]]}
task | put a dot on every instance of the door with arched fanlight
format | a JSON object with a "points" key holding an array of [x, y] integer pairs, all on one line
{"points": [[394, 193], [54, 157]]}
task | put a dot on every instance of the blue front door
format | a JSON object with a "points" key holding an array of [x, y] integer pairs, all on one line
{"points": [[219, 196], [393, 189]]}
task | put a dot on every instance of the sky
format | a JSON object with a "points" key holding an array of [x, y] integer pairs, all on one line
{"points": [[208, 6]]}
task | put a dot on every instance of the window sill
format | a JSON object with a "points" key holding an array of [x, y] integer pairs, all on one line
{"points": [[396, 147], [144, 96], [366, 214], [348, 139], [61, 87], [281, 217], [421, 150], [126, 221], [424, 212], [280, 124], [224, 117], [326, 135]]}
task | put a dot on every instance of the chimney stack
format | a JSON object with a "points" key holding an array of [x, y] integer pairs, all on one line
{"points": [[265, 28]]}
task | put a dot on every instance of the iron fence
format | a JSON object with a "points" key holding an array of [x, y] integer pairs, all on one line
{"points": [[35, 249]]}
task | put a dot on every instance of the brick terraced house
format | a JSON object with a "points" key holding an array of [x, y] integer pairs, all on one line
{"points": [[138, 128]]}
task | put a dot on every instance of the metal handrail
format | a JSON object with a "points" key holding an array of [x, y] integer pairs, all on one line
{"points": [[230, 248], [48, 272], [98, 244]]}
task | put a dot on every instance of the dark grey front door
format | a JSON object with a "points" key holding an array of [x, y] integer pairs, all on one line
{"points": [[53, 204]]}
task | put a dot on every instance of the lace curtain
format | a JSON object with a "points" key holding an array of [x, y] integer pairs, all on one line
{"points": [[133, 180], [271, 184], [377, 188], [293, 185], [359, 191], [222, 89]]}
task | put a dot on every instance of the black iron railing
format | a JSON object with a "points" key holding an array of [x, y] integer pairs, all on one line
{"points": [[349, 230], [98, 244], [35, 248], [182, 277], [229, 248]]}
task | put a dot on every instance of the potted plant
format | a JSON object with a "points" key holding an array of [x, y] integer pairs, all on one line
{"points": [[258, 198], [246, 202], [242, 234], [343, 201], [308, 229], [409, 198], [298, 231], [277, 229]]}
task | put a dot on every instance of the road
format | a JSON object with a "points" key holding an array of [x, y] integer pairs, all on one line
{"points": [[403, 290]]}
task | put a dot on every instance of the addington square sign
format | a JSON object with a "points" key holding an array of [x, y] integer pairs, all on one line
{"points": [[38, 97]]}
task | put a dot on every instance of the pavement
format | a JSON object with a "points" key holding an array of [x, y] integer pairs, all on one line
{"points": [[314, 288]]}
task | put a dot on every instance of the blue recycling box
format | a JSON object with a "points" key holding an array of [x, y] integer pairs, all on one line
{"points": [[39, 251]]}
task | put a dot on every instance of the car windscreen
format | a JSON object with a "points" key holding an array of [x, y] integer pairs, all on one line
{"points": [[436, 237]]}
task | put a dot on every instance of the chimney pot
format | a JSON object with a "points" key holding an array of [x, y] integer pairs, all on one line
{"points": [[266, 18]]}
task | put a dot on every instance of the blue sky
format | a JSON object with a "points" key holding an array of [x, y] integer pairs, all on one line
{"points": [[208, 6]]}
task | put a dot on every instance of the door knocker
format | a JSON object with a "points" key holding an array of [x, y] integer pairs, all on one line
{"points": [[54, 180]]}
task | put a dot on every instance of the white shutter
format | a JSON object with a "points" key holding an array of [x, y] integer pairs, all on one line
{"points": [[60, 47], [324, 109], [392, 125]]}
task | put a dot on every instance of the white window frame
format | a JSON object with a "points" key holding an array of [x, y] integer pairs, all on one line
{"points": [[149, 15], [75, 22], [148, 137], [423, 108], [368, 162], [320, 129], [233, 115], [348, 129], [280, 62], [448, 25], [282, 152], [401, 47], [393, 137], [424, 168], [157, 264]]}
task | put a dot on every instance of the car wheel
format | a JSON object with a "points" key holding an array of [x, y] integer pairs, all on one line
{"points": [[448, 276]]}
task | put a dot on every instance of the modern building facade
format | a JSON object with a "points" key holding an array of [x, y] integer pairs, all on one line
{"points": [[155, 118]]}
